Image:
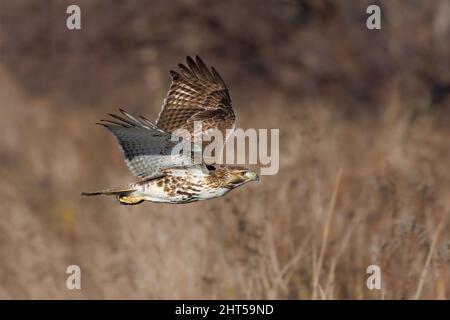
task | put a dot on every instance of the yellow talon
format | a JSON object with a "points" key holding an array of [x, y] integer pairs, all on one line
{"points": [[130, 200]]}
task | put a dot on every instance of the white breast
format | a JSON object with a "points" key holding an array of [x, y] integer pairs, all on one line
{"points": [[208, 194], [151, 191]]}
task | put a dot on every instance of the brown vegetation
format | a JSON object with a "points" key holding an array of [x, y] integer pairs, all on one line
{"points": [[364, 175]]}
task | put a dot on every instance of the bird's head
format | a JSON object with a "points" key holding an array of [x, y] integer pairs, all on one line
{"points": [[233, 177]]}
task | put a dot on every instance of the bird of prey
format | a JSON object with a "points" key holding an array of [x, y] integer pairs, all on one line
{"points": [[197, 93]]}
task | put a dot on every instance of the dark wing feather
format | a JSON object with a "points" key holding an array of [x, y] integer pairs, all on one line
{"points": [[196, 94]]}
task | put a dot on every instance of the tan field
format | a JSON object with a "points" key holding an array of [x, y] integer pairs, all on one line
{"points": [[364, 175]]}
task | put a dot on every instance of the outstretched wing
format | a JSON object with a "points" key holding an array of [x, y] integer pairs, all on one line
{"points": [[146, 148], [197, 93]]}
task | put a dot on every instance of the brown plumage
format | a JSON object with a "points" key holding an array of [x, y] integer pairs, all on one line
{"points": [[197, 93]]}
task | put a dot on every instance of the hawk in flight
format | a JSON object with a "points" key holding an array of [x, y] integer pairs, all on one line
{"points": [[196, 93]]}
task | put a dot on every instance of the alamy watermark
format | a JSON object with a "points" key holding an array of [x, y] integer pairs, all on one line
{"points": [[374, 280], [73, 281], [228, 147]]}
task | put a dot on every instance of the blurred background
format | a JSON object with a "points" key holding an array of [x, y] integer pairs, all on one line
{"points": [[373, 105]]}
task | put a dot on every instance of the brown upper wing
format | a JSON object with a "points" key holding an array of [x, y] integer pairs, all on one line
{"points": [[197, 93]]}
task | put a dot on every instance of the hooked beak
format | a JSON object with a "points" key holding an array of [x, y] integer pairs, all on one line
{"points": [[251, 176]]}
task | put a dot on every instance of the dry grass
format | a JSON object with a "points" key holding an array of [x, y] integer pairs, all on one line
{"points": [[430, 254], [364, 155], [326, 231]]}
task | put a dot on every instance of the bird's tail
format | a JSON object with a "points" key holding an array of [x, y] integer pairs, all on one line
{"points": [[124, 194]]}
